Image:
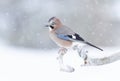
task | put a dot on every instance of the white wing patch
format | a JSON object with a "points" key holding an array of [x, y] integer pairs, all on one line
{"points": [[73, 36]]}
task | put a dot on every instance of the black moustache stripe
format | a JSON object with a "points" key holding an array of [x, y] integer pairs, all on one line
{"points": [[51, 27]]}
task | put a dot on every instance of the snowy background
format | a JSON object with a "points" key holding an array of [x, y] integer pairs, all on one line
{"points": [[22, 21], [25, 47]]}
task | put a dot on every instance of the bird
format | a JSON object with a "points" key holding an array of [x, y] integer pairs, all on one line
{"points": [[64, 37]]}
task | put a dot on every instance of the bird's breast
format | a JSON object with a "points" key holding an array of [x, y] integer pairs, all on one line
{"points": [[60, 42]]}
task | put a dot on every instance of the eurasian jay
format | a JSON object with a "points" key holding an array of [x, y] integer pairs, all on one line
{"points": [[65, 38]]}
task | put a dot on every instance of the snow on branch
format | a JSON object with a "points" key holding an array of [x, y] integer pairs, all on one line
{"points": [[104, 60]]}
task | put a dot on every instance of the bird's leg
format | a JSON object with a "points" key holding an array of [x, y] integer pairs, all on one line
{"points": [[63, 67]]}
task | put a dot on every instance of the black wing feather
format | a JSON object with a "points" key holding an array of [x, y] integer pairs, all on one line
{"points": [[77, 37]]}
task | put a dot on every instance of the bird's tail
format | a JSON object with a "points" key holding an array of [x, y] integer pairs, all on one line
{"points": [[93, 46]]}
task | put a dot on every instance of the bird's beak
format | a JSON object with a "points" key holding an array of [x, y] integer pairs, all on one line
{"points": [[47, 25]]}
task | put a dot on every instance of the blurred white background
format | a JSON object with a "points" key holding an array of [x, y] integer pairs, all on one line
{"points": [[22, 21]]}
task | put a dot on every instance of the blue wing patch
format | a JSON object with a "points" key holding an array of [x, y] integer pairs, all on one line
{"points": [[74, 37], [64, 37]]}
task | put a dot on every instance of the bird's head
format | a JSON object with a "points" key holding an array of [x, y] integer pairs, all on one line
{"points": [[53, 23]]}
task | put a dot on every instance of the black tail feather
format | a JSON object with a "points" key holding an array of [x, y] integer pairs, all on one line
{"points": [[93, 46]]}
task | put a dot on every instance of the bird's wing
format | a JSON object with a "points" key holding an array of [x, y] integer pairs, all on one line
{"points": [[74, 37], [66, 33], [64, 37]]}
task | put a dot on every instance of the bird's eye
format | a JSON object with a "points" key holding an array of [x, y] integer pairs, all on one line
{"points": [[53, 23]]}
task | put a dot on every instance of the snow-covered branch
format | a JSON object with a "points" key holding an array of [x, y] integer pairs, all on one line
{"points": [[104, 60]]}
